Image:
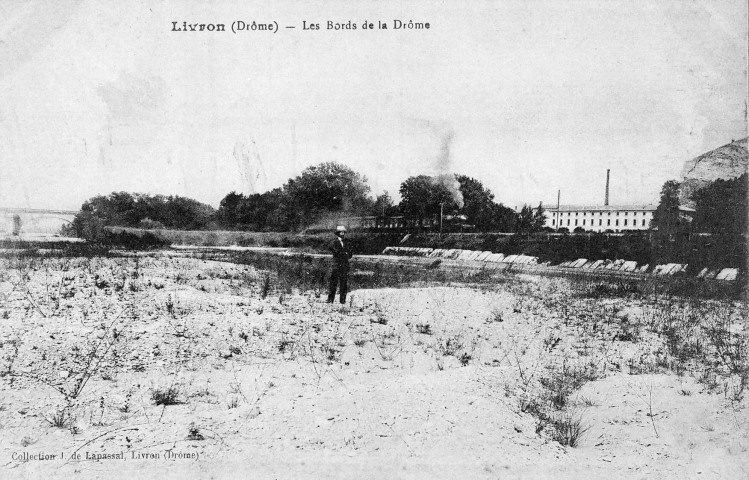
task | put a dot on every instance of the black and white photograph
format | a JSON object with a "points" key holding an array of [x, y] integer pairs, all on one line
{"points": [[390, 239]]}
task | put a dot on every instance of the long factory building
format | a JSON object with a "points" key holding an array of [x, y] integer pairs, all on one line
{"points": [[600, 218]]}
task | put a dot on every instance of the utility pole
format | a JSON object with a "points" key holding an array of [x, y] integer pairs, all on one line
{"points": [[442, 205]]}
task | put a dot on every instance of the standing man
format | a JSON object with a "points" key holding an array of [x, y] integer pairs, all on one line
{"points": [[339, 271]]}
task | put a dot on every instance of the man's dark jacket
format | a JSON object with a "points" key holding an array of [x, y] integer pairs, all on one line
{"points": [[341, 254]]}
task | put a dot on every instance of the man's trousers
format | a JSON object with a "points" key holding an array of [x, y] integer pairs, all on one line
{"points": [[338, 276]]}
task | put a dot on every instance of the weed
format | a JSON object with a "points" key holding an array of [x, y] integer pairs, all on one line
{"points": [[641, 366], [586, 402], [530, 404], [567, 429], [425, 329], [629, 332], [284, 344], [125, 408], [495, 316], [193, 432], [26, 441], [563, 380], [464, 358], [166, 396], [609, 289], [451, 345], [61, 419], [331, 353], [710, 379], [170, 305], [265, 286]]}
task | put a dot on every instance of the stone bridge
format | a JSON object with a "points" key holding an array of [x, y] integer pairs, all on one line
{"points": [[20, 221]]}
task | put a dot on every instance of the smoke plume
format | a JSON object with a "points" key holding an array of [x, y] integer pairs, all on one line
{"points": [[445, 176]]}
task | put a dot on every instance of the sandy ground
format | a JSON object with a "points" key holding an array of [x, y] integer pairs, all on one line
{"points": [[400, 383]]}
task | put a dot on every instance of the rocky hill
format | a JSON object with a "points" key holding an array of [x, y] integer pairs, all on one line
{"points": [[726, 162]]}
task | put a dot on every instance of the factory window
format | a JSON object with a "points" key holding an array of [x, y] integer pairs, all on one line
{"points": [[617, 222], [625, 221], [568, 222], [575, 222], [553, 222], [576, 213], [617, 214], [599, 222], [583, 223], [626, 213], [643, 222], [608, 222]]}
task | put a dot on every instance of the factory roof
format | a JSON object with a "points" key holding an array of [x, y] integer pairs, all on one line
{"points": [[603, 208]]}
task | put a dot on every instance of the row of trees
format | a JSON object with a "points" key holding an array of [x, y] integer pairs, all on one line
{"points": [[332, 189], [720, 210], [141, 211], [320, 193]]}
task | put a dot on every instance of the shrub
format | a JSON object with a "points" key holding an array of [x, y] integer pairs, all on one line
{"points": [[425, 329], [567, 429], [265, 287], [610, 289], [562, 381], [61, 419], [193, 433], [166, 396]]}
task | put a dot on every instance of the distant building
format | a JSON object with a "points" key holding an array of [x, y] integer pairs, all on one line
{"points": [[600, 218]]}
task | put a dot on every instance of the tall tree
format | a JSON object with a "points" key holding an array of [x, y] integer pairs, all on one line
{"points": [[505, 219], [324, 188], [666, 215], [481, 210], [478, 203], [423, 197], [383, 205], [721, 207], [228, 209], [525, 220], [667, 247], [539, 218]]}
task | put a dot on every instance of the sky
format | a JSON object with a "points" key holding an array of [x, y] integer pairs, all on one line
{"points": [[530, 97]]}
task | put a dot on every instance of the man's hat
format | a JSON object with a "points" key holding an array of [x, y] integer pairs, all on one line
{"points": [[340, 228]]}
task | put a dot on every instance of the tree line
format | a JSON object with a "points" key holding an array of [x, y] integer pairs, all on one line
{"points": [[139, 210], [712, 233], [320, 192], [331, 190]]}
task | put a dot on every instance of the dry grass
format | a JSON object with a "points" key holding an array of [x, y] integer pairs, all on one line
{"points": [[582, 327]]}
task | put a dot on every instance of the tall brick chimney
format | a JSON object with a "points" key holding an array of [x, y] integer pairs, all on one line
{"points": [[606, 201]]}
